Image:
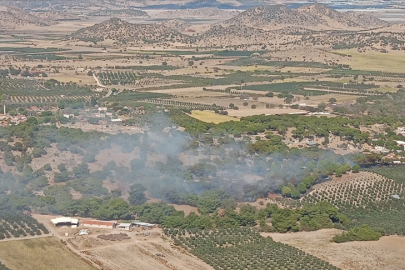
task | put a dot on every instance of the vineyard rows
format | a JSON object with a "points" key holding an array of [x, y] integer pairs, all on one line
{"points": [[363, 191], [45, 99], [17, 225], [392, 79], [239, 248], [150, 81], [130, 79], [117, 78], [24, 87], [192, 105]]}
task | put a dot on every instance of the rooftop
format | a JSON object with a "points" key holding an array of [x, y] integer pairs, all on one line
{"points": [[65, 220]]}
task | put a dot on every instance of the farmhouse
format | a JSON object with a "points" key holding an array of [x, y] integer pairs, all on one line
{"points": [[117, 121], [125, 226], [65, 221], [401, 131], [99, 224], [143, 225]]}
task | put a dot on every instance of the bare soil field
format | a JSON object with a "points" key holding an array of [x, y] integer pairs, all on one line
{"points": [[386, 254], [40, 254]]}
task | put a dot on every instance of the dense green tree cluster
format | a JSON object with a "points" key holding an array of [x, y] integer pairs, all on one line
{"points": [[358, 233], [3, 267]]}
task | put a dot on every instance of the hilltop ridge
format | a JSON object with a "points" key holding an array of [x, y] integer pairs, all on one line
{"points": [[315, 16], [124, 32]]}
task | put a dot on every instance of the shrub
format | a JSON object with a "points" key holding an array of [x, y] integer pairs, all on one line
{"points": [[359, 233]]}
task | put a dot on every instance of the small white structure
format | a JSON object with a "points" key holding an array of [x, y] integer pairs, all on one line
{"points": [[401, 130], [68, 116], [84, 232], [400, 143], [117, 121], [65, 221], [124, 226]]}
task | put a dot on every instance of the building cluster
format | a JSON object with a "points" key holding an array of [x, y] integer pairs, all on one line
{"points": [[124, 226], [7, 120]]}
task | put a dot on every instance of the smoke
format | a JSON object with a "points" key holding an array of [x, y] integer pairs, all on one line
{"points": [[171, 163]]}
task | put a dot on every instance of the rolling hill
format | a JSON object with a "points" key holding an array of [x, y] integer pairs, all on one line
{"points": [[200, 13], [315, 17], [11, 18], [121, 31]]}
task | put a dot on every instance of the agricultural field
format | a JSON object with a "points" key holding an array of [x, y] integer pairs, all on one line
{"points": [[19, 225], [396, 173], [26, 87], [243, 249], [40, 254], [117, 78], [358, 191], [367, 198], [141, 253], [386, 253], [211, 117], [375, 61]]}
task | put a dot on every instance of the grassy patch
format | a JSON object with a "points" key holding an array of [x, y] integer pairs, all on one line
{"points": [[211, 117], [387, 90], [40, 254], [376, 61]]}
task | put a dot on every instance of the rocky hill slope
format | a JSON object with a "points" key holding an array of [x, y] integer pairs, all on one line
{"points": [[121, 31], [11, 18]]}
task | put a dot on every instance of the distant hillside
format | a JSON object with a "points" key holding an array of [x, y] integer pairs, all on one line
{"points": [[276, 26], [124, 32], [54, 16], [175, 24], [200, 13], [11, 18], [315, 16], [120, 13]]}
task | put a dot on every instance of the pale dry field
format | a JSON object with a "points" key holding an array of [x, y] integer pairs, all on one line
{"points": [[40, 254], [386, 254], [375, 61], [141, 255], [259, 111], [211, 117], [325, 98], [186, 208]]}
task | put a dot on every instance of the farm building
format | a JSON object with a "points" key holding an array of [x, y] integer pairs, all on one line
{"points": [[124, 226], [117, 121], [65, 221], [99, 224], [143, 225], [312, 144]]}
